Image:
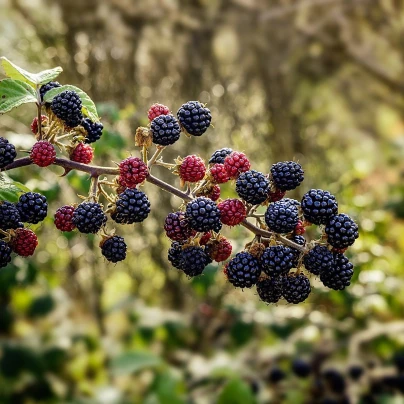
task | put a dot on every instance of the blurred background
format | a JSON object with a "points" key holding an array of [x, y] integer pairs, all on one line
{"points": [[316, 81]]}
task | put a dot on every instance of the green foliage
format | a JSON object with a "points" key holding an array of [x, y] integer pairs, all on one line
{"points": [[14, 93], [236, 391], [10, 190], [132, 362]]}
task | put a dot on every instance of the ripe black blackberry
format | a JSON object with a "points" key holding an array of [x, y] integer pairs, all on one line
{"points": [[296, 288], [341, 230], [276, 375], [219, 155], [282, 216], [132, 206], [93, 129], [338, 277], [175, 255], [67, 107], [270, 290], [301, 368], [7, 152], [165, 130], [203, 215], [9, 216], [355, 372], [252, 186], [5, 254], [334, 380], [243, 270], [194, 260], [194, 118], [287, 175], [277, 260], [319, 206], [176, 226], [89, 217], [114, 249], [319, 259], [48, 86], [32, 207]]}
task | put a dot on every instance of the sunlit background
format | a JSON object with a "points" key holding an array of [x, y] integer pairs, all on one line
{"points": [[315, 81]]}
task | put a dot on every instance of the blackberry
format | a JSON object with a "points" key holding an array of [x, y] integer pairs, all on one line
{"points": [[32, 207], [355, 372], [114, 249], [301, 368], [9, 216], [175, 255], [194, 118], [319, 206], [340, 274], [298, 240], [253, 187], [176, 227], [277, 260], [287, 175], [203, 215], [194, 260], [5, 254], [319, 259], [335, 381], [219, 250], [342, 231], [24, 242], [282, 216], [89, 217], [67, 107], [132, 206], [270, 290], [243, 270], [165, 130], [48, 86], [7, 152], [93, 129], [219, 155], [276, 375], [398, 360], [296, 288]]}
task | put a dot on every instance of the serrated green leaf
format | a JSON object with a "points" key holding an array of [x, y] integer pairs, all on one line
{"points": [[14, 93], [131, 362], [88, 108], [236, 391], [11, 190], [18, 73]]}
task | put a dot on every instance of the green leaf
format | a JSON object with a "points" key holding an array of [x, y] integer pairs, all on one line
{"points": [[88, 108], [10, 190], [17, 73], [135, 361], [14, 93], [236, 391]]}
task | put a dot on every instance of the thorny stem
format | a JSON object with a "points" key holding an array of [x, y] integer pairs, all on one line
{"points": [[93, 188], [39, 107], [96, 171]]}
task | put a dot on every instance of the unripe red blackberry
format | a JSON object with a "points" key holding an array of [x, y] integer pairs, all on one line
{"points": [[275, 195], [296, 288], [277, 260], [287, 175], [67, 107], [132, 171], [282, 216], [5, 254], [319, 259], [194, 118], [114, 249], [132, 206], [156, 110], [192, 169], [176, 227], [9, 216], [203, 215], [93, 129], [82, 153], [243, 270], [338, 277], [236, 163], [7, 152], [219, 155], [270, 290], [342, 231], [43, 153], [165, 130], [24, 242], [319, 206], [205, 238], [33, 207], [34, 123], [63, 218], [219, 250], [218, 174], [252, 186], [89, 217], [300, 229], [232, 211], [194, 260]]}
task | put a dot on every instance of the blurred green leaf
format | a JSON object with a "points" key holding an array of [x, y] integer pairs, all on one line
{"points": [[14, 93], [41, 306], [10, 190], [135, 361], [236, 391]]}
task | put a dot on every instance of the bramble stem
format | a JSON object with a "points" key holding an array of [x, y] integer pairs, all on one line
{"points": [[155, 156], [39, 108]]}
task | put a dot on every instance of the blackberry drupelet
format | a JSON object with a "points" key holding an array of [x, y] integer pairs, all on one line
{"points": [[340, 274], [270, 290], [194, 260], [194, 118], [301, 368], [277, 260], [89, 217], [132, 206], [282, 216], [9, 216], [114, 249], [5, 254], [175, 255], [219, 155], [319, 259], [243, 270], [296, 288], [203, 215], [176, 227], [252, 186], [287, 175], [342, 231], [319, 206], [48, 86], [165, 130], [276, 375], [32, 207], [67, 107], [7, 152], [93, 129]]}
